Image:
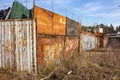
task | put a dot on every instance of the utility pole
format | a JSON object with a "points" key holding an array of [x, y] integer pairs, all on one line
{"points": [[26, 2], [79, 37], [52, 16], [65, 12], [33, 3], [33, 7], [72, 15], [52, 5]]}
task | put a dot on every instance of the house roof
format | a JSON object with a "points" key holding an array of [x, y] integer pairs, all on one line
{"points": [[3, 13]]}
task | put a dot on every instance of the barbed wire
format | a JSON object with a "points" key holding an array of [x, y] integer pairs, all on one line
{"points": [[46, 4], [64, 11]]}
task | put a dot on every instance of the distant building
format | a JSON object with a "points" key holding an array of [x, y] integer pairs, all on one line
{"points": [[18, 11], [101, 30], [3, 13], [118, 32]]}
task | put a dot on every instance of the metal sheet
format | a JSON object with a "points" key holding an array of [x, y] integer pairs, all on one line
{"points": [[73, 27], [105, 41], [6, 44], [98, 41], [44, 20], [16, 44], [59, 24], [88, 41], [49, 50], [71, 46], [19, 11], [49, 22]]}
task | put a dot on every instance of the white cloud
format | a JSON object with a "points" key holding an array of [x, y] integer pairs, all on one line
{"points": [[62, 2], [117, 1], [91, 4], [56, 2], [112, 14], [92, 7]]}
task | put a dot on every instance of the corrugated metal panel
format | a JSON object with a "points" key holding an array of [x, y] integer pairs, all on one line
{"points": [[6, 44], [44, 20], [16, 44], [59, 24], [73, 28], [88, 41], [71, 46], [49, 50]]}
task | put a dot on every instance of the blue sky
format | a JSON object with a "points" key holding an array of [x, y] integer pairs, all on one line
{"points": [[88, 12]]}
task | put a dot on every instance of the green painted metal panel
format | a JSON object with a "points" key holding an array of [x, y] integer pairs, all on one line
{"points": [[19, 11]]}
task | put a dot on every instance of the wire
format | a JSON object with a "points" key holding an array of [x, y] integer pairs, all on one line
{"points": [[50, 6], [57, 9]]}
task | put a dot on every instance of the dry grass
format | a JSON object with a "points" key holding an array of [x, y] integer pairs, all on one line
{"points": [[100, 64], [92, 65], [8, 74]]}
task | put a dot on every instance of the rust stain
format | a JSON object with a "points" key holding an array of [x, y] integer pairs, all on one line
{"points": [[44, 20], [105, 41], [71, 45], [17, 45], [7, 46], [49, 50], [59, 24], [49, 22], [22, 41], [11, 29], [40, 56]]}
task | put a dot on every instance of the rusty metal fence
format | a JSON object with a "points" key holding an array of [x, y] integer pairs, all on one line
{"points": [[17, 45]]}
